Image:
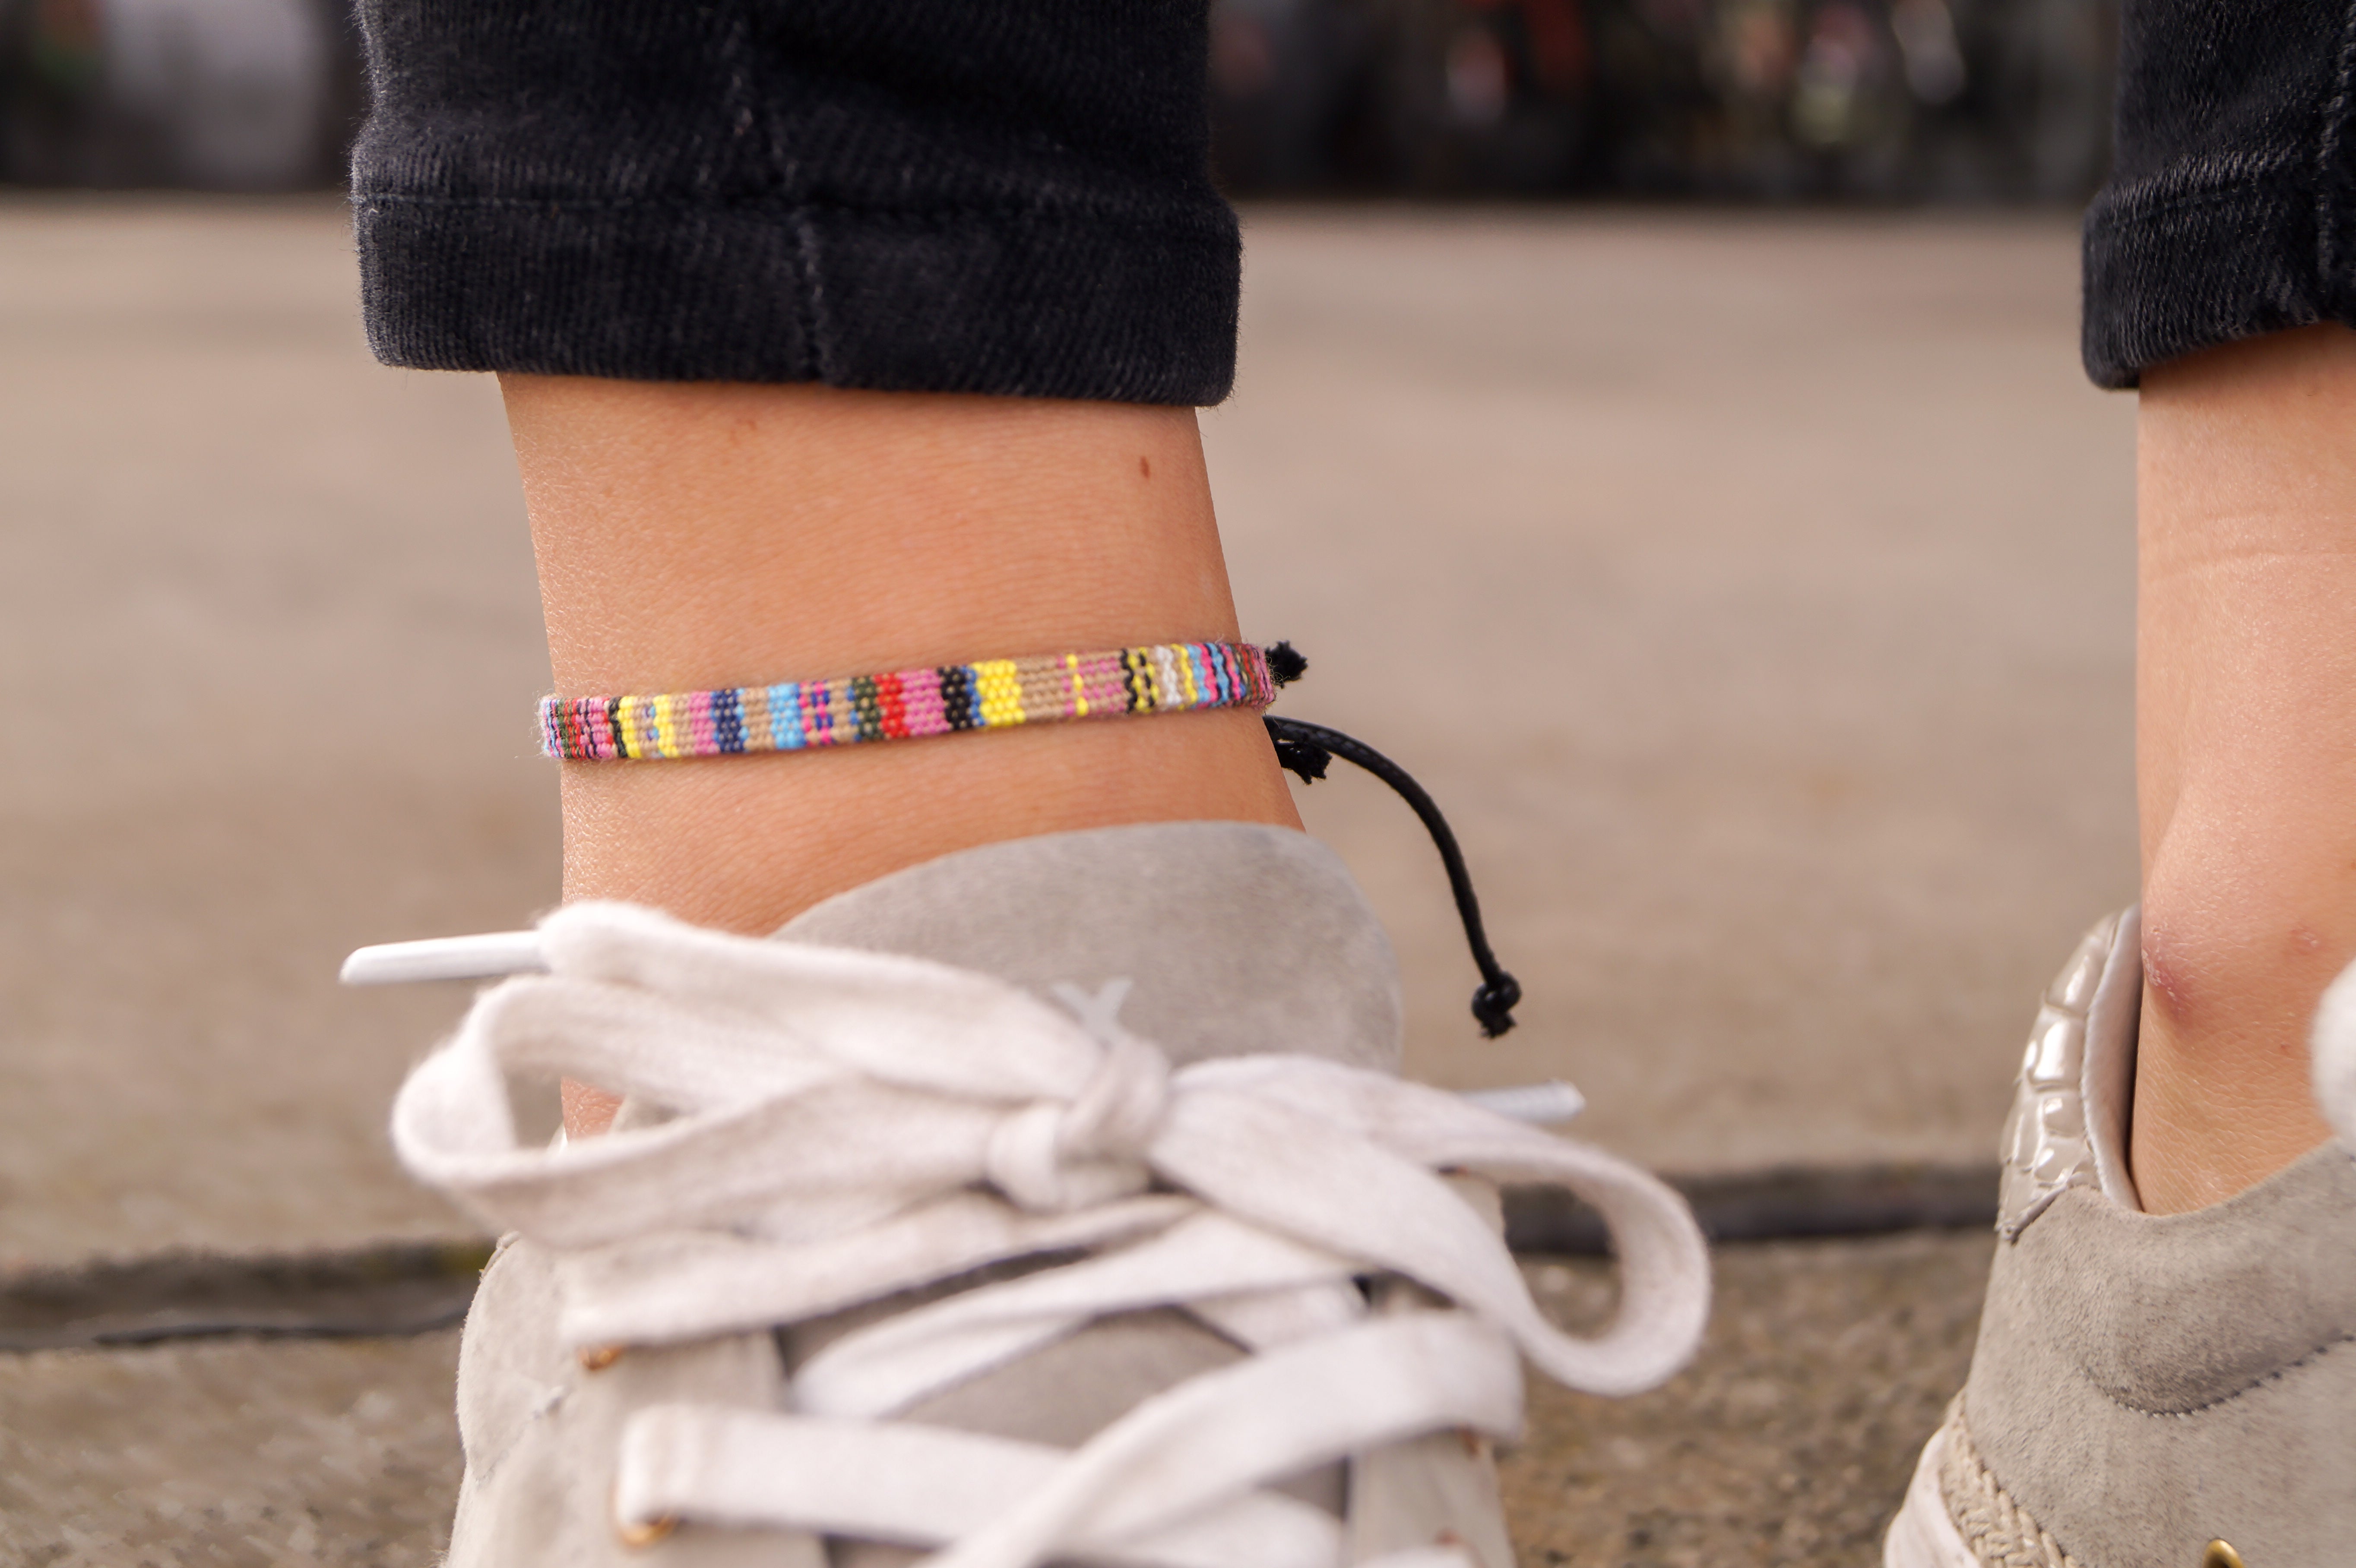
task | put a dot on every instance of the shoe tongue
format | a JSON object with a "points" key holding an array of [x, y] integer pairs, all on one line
{"points": [[1234, 937]]}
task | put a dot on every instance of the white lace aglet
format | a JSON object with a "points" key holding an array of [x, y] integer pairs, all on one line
{"points": [[485, 957], [1540, 1104]]}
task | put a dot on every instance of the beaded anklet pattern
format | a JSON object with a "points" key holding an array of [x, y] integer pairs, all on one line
{"points": [[793, 716]]}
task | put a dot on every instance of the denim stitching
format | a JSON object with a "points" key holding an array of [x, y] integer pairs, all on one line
{"points": [[2193, 183], [2174, 207]]}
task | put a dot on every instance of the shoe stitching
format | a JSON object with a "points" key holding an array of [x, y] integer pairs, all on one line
{"points": [[1989, 1519], [2309, 1359]]}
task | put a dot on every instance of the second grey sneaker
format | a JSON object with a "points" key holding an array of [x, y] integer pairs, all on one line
{"points": [[1053, 1201], [2148, 1391]]}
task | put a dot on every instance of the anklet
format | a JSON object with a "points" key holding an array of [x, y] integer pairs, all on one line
{"points": [[793, 716]]}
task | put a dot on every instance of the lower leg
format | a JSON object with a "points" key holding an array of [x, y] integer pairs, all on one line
{"points": [[2245, 752], [691, 536]]}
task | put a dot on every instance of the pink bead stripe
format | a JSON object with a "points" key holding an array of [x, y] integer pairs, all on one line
{"points": [[795, 716]]}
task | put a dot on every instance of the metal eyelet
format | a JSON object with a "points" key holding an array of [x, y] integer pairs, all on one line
{"points": [[597, 1358], [638, 1534], [2220, 1555], [637, 1537]]}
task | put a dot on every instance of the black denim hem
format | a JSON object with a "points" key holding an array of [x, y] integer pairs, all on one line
{"points": [[2232, 209], [1016, 303], [2169, 271]]}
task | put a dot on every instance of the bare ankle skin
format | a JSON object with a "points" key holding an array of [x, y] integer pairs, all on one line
{"points": [[2245, 752], [699, 535]]}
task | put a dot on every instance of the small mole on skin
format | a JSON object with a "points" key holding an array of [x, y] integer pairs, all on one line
{"points": [[1145, 468]]}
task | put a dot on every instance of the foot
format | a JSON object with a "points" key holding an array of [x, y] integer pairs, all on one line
{"points": [[2155, 1391], [1055, 1200]]}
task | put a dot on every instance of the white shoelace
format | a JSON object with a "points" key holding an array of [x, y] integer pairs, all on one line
{"points": [[843, 1125]]}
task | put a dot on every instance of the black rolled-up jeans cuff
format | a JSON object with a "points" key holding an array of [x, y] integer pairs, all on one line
{"points": [[1005, 197], [2231, 206], [1094, 305], [2172, 271]]}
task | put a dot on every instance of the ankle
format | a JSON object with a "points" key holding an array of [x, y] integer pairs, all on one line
{"points": [[2222, 1094], [747, 843], [694, 537], [2245, 722], [700, 536]]}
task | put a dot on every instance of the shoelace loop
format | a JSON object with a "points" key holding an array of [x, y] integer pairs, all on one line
{"points": [[813, 1129]]}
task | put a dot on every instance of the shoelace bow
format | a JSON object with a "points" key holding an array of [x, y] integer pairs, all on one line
{"points": [[843, 1125]]}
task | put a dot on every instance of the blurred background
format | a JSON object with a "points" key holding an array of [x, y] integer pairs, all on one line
{"points": [[206, 95], [1658, 420], [1762, 99], [1971, 101]]}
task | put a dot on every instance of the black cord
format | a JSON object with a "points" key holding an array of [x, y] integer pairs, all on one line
{"points": [[1306, 748]]}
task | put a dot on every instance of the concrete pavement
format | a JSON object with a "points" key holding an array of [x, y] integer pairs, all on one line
{"points": [[1786, 1445], [268, 613]]}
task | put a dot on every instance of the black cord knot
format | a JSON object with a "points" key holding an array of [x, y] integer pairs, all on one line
{"points": [[1493, 1003], [1285, 664], [1303, 757]]}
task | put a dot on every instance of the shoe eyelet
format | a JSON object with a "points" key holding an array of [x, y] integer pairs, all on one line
{"points": [[2220, 1555], [637, 1537], [597, 1358]]}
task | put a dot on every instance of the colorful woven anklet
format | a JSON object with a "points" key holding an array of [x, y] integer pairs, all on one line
{"points": [[793, 716]]}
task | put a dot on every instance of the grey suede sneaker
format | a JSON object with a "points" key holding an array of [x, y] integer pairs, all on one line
{"points": [[1056, 1201], [2148, 1391]]}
